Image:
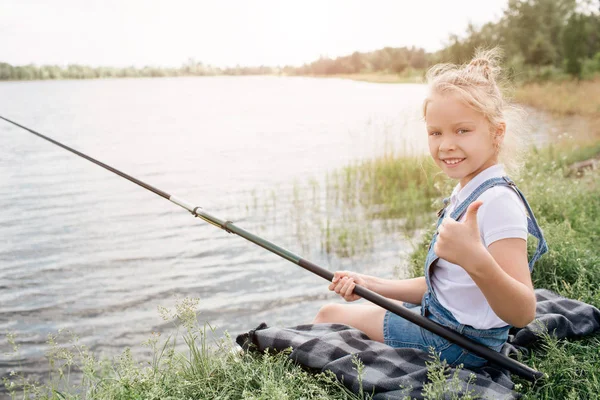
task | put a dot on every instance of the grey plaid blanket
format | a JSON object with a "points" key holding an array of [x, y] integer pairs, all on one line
{"points": [[391, 373]]}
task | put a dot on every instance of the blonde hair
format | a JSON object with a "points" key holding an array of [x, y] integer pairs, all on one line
{"points": [[479, 85]]}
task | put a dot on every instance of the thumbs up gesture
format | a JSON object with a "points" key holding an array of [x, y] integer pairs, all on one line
{"points": [[460, 242]]}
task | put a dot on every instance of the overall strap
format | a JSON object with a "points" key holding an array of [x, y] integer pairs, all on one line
{"points": [[532, 226]]}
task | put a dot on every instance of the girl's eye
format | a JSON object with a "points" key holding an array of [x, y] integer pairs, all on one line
{"points": [[434, 133], [463, 131]]}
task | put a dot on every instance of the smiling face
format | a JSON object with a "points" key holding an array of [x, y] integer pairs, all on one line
{"points": [[460, 139]]}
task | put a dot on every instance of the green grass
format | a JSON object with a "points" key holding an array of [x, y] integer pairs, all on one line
{"points": [[573, 369], [205, 371]]}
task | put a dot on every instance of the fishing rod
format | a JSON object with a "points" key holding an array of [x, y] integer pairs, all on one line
{"points": [[492, 356]]}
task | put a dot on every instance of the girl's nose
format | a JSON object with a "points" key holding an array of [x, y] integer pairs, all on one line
{"points": [[447, 144]]}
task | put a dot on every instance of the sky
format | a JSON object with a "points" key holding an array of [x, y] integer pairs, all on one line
{"points": [[225, 33]]}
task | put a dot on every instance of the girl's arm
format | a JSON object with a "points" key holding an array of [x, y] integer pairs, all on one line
{"points": [[407, 290], [502, 274]]}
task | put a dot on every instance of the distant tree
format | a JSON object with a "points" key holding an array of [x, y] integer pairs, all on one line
{"points": [[536, 26], [591, 34], [5, 71], [574, 45], [380, 60], [418, 59], [399, 62], [356, 62], [541, 51]]}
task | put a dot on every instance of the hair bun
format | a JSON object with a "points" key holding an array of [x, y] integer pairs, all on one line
{"points": [[486, 62], [483, 65]]}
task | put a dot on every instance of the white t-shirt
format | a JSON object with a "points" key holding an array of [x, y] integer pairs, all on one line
{"points": [[502, 215]]}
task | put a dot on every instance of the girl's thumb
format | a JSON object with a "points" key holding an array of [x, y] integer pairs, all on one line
{"points": [[471, 215]]}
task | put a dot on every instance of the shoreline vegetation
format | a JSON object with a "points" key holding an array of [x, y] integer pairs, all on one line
{"points": [[31, 72]]}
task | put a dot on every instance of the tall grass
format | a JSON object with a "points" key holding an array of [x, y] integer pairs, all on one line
{"points": [[337, 215], [569, 97], [393, 187]]}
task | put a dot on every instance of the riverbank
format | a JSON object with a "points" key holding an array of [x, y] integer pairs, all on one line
{"points": [[569, 214], [414, 76]]}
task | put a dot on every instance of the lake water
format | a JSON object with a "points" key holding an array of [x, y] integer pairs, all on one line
{"points": [[85, 250]]}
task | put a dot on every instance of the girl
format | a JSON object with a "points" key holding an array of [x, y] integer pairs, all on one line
{"points": [[477, 276]]}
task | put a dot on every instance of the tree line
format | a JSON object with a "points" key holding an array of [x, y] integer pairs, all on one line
{"points": [[541, 39], [74, 71]]}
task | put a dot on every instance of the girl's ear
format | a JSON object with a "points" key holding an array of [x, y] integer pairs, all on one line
{"points": [[499, 135], [500, 130]]}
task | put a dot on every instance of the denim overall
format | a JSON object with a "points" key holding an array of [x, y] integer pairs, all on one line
{"points": [[431, 308]]}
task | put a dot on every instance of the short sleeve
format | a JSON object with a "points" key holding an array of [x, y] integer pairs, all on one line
{"points": [[502, 216]]}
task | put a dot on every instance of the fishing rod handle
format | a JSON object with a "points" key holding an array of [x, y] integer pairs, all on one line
{"points": [[495, 357]]}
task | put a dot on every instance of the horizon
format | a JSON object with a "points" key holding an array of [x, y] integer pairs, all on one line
{"points": [[138, 33]]}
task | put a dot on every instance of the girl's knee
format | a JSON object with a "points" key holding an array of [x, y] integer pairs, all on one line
{"points": [[329, 313]]}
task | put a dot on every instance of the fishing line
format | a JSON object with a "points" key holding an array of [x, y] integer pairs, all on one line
{"points": [[494, 357]]}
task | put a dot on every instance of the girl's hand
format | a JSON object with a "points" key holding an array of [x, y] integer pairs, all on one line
{"points": [[343, 283], [460, 242]]}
